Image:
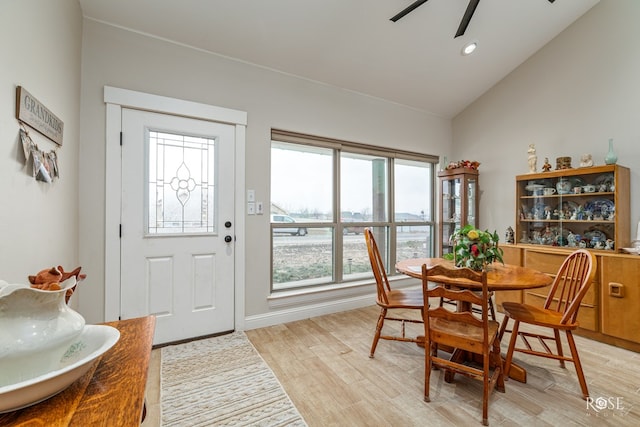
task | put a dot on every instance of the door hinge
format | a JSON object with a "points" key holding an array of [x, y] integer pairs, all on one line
{"points": [[121, 139], [120, 230]]}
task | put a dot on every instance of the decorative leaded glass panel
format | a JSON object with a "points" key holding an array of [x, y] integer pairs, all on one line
{"points": [[181, 184]]}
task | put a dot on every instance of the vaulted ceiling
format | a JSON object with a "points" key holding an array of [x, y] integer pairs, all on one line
{"points": [[353, 44]]}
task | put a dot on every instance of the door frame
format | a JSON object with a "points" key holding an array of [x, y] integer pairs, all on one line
{"points": [[116, 99]]}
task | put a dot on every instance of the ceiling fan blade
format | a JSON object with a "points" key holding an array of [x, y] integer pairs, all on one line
{"points": [[471, 8], [408, 9]]}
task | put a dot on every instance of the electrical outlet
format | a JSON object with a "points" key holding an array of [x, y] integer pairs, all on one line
{"points": [[259, 210], [251, 195]]}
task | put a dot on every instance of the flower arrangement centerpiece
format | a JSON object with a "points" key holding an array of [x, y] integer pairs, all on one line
{"points": [[473, 248]]}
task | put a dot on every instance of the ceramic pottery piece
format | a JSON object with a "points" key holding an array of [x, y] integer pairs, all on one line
{"points": [[34, 322]]}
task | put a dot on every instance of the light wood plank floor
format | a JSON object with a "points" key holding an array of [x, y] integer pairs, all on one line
{"points": [[323, 365]]}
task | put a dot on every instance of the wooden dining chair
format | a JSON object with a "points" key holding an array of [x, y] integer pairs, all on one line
{"points": [[464, 330], [391, 299], [559, 313]]}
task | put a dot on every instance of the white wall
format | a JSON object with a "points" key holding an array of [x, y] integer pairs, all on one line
{"points": [[568, 99], [119, 58], [40, 43]]}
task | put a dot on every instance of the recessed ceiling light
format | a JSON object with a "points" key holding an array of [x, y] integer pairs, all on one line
{"points": [[469, 48]]}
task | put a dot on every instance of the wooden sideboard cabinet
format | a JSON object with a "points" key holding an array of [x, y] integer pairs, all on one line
{"points": [[608, 313], [562, 210]]}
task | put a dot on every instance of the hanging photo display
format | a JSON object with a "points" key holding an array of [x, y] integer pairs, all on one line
{"points": [[44, 166]]}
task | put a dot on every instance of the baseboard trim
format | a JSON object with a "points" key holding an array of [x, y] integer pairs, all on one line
{"points": [[305, 312]]}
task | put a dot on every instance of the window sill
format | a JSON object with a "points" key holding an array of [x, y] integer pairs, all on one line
{"points": [[332, 292]]}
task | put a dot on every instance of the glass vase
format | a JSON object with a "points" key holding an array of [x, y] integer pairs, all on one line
{"points": [[611, 158]]}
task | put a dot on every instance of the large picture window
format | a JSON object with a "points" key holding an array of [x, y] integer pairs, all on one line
{"points": [[324, 193]]}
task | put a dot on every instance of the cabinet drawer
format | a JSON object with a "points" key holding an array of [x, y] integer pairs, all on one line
{"points": [[620, 294], [545, 262], [587, 315], [550, 264]]}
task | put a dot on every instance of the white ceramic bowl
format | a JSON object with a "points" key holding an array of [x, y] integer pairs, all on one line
{"points": [[93, 342]]}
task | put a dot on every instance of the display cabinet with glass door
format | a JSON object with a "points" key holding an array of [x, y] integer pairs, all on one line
{"points": [[458, 203]]}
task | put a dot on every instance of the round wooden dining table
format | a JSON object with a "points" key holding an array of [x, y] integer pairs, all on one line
{"points": [[500, 277]]}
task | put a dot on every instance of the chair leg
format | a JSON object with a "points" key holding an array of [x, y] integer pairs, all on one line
{"points": [[427, 370], [556, 333], [485, 389], [503, 327], [376, 337], [578, 365], [512, 346], [497, 363]]}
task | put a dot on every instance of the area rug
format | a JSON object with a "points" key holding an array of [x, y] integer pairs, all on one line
{"points": [[222, 381]]}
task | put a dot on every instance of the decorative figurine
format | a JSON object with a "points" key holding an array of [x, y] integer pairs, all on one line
{"points": [[547, 166], [509, 235], [609, 244], [586, 161], [533, 159]]}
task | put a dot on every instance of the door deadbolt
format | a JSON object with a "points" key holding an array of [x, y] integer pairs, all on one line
{"points": [[227, 224], [228, 239]]}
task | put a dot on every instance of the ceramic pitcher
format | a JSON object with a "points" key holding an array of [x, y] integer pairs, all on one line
{"points": [[36, 329]]}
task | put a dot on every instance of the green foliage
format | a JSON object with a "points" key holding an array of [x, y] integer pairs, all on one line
{"points": [[475, 248]]}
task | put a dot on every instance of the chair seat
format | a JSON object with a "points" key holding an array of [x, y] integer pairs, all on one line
{"points": [[406, 298], [466, 336], [536, 316]]}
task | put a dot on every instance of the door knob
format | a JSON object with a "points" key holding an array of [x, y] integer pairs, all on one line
{"points": [[228, 239], [228, 224]]}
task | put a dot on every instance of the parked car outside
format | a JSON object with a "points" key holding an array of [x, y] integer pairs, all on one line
{"points": [[286, 219], [355, 229]]}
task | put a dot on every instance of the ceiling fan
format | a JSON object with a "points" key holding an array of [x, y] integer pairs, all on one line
{"points": [[471, 8]]}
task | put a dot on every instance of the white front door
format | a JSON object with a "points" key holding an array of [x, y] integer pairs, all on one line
{"points": [[177, 239]]}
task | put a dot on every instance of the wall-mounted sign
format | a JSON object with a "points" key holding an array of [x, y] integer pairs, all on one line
{"points": [[31, 112]]}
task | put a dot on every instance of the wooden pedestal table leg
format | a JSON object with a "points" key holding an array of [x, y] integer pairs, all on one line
{"points": [[457, 356], [517, 372]]}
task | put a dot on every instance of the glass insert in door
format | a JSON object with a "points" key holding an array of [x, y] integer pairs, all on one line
{"points": [[181, 184]]}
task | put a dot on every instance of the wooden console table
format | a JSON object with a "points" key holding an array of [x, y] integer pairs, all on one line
{"points": [[110, 393]]}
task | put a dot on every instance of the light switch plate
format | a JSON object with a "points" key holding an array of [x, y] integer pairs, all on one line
{"points": [[251, 208], [251, 195]]}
